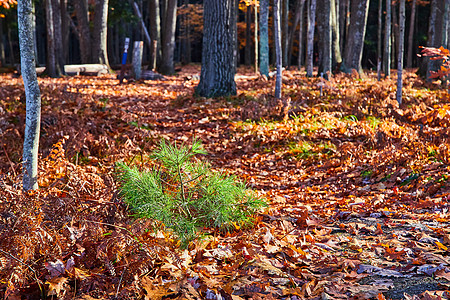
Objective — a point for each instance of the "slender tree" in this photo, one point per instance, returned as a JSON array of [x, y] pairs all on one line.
[[357, 31], [310, 41], [155, 32], [256, 35], [218, 53], [411, 34], [379, 39], [300, 35], [401, 39], [325, 34], [278, 50], [32, 94], [264, 37], [292, 32], [387, 40], [82, 13], [337, 57], [285, 31], [248, 36], [99, 35]]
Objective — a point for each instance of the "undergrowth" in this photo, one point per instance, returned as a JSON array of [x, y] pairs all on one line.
[[185, 195]]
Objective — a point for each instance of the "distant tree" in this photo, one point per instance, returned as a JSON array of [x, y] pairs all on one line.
[[155, 32], [401, 39], [310, 40], [300, 35], [264, 37], [32, 94], [411, 34], [356, 33], [325, 36], [298, 14], [55, 53], [285, 31], [387, 40], [218, 53], [99, 35], [379, 39], [336, 48], [278, 50]]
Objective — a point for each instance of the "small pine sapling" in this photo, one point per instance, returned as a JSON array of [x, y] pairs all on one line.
[[183, 194]]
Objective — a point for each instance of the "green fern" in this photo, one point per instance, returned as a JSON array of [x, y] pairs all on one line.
[[183, 194]]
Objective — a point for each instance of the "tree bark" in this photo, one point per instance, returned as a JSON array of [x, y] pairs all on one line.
[[81, 10], [337, 57], [32, 94], [325, 34], [411, 52], [387, 40], [155, 32], [168, 38], [58, 37], [300, 35], [218, 53], [285, 32], [256, 35], [2, 45], [248, 37], [278, 50], [52, 68], [264, 37], [310, 42], [99, 36], [401, 39], [357, 31], [379, 39], [298, 11]]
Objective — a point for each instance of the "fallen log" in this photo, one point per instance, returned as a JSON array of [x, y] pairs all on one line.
[[87, 69]]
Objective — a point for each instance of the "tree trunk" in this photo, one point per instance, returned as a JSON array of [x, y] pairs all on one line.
[[32, 94], [411, 52], [278, 50], [294, 30], [155, 31], [82, 13], [99, 35], [58, 38], [325, 35], [337, 57], [342, 22], [168, 38], [300, 35], [2, 45], [65, 30], [52, 68], [218, 56], [379, 39], [248, 36], [387, 40], [445, 20], [256, 36], [401, 39], [12, 58], [310, 42], [285, 32], [357, 31], [394, 35], [264, 37]]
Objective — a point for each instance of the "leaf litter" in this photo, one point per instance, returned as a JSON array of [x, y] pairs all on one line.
[[358, 190]]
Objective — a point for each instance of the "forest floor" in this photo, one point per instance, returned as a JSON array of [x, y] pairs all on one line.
[[358, 187]]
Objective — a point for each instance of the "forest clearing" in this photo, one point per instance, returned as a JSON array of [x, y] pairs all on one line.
[[357, 187]]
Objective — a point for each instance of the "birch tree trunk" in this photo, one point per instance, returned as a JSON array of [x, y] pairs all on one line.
[[387, 40], [32, 94], [99, 36], [411, 34], [310, 42], [264, 37], [401, 42], [218, 53], [168, 38], [278, 50], [356, 32]]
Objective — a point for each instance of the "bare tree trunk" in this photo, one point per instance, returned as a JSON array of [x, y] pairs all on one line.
[[411, 34], [51, 63], [310, 42], [293, 31], [81, 10], [285, 32], [12, 58], [337, 57], [58, 38], [343, 22], [379, 39], [401, 39], [99, 35], [445, 20], [248, 36], [65, 30], [2, 45], [264, 37], [256, 36], [394, 35], [278, 50], [300, 35], [325, 34], [155, 31], [168, 38], [218, 59], [387, 40], [357, 31], [32, 94]]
